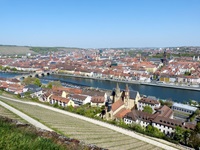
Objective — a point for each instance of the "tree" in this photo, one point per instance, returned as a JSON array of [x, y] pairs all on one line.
[[1, 67], [148, 109], [186, 136], [32, 80], [178, 134], [154, 131], [54, 83], [194, 140], [37, 82], [197, 128], [13, 69]]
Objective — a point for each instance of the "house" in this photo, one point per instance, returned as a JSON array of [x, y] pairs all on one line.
[[79, 99], [64, 102], [98, 101], [138, 117], [35, 91], [148, 102], [162, 120], [14, 88], [183, 108], [167, 125]]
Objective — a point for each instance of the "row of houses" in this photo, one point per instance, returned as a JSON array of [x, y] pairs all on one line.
[[75, 97], [162, 117]]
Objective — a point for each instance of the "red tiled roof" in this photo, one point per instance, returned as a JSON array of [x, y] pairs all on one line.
[[122, 113], [98, 99], [148, 101], [116, 105]]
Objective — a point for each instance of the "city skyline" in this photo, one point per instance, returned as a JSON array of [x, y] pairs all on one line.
[[97, 24]]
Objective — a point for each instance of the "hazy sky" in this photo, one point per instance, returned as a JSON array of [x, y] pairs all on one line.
[[100, 23]]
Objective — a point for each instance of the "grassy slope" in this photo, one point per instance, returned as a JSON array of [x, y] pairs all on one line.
[[12, 138]]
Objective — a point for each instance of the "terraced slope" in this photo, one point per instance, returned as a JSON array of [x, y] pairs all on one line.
[[6, 113], [15, 50], [82, 130]]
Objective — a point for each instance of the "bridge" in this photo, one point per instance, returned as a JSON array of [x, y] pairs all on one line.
[[37, 74]]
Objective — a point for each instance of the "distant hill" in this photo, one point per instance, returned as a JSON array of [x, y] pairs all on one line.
[[15, 50], [23, 50]]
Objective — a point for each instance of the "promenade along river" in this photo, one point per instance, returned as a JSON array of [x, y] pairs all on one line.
[[178, 95]]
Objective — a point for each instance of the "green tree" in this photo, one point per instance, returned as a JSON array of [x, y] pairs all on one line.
[[194, 140], [186, 136], [197, 128], [154, 131], [148, 109], [32, 80], [37, 82], [54, 83], [178, 134], [1, 67]]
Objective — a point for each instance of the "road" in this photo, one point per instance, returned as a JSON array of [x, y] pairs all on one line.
[[100, 123]]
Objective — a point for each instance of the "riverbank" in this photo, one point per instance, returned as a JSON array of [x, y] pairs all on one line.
[[136, 82]]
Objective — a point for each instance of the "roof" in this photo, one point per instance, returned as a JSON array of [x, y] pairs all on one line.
[[93, 93], [66, 89], [148, 101], [59, 98], [137, 114], [184, 106], [79, 97], [173, 123], [122, 113], [133, 94], [116, 105], [165, 111], [98, 99]]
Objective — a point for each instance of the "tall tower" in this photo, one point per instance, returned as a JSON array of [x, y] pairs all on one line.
[[127, 91], [117, 90], [126, 99]]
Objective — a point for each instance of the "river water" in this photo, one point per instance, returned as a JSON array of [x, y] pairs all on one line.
[[178, 95]]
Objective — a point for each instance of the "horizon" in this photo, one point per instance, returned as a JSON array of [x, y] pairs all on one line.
[[100, 24], [95, 48]]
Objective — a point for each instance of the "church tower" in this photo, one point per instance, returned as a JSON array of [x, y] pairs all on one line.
[[117, 93], [126, 99]]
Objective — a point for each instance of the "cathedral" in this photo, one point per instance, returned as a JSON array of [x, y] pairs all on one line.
[[121, 102]]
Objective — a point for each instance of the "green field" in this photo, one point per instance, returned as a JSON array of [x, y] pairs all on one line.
[[82, 130]]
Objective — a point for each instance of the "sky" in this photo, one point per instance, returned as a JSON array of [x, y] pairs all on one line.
[[100, 23]]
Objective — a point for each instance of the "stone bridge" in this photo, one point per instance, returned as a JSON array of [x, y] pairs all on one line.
[[37, 75]]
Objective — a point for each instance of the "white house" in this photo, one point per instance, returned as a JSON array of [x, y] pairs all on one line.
[[148, 102], [183, 108], [79, 99]]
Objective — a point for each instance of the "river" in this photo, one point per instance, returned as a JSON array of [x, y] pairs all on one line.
[[178, 95]]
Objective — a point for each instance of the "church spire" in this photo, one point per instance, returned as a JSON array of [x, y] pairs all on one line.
[[117, 86], [127, 91]]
